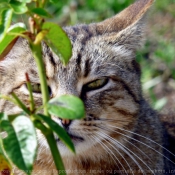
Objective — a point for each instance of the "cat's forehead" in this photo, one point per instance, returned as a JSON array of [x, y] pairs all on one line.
[[81, 33], [96, 51], [94, 55], [85, 51], [86, 41]]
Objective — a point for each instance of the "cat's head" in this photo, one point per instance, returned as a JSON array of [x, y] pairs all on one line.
[[103, 72]]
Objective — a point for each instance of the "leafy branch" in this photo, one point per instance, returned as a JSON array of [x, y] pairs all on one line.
[[21, 128]]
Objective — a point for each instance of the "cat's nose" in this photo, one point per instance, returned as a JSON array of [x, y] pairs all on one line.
[[66, 123]]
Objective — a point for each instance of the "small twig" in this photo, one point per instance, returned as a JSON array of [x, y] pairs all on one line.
[[32, 103], [20, 103]]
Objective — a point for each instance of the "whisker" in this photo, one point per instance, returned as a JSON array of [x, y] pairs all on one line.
[[145, 138], [103, 146], [123, 147], [138, 149], [108, 151], [119, 154], [131, 151], [112, 120], [142, 142]]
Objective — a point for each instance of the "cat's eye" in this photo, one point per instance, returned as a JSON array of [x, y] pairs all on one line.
[[97, 84], [36, 88]]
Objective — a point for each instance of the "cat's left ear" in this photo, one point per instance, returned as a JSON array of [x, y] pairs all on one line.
[[126, 28]]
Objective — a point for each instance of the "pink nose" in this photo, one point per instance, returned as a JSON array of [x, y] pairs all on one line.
[[65, 123]]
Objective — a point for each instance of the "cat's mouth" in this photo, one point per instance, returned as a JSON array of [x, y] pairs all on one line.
[[74, 138]]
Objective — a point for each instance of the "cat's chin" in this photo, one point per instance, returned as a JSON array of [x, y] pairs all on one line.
[[81, 146]]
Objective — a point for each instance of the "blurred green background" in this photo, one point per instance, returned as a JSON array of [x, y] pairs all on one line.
[[157, 57]]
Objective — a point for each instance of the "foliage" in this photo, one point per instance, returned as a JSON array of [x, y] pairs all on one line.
[[158, 55], [71, 12], [94, 12], [18, 143]]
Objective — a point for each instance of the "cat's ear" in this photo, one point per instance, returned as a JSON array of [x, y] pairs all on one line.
[[126, 28]]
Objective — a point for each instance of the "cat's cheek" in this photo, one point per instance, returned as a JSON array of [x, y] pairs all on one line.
[[10, 109], [41, 141], [80, 148]]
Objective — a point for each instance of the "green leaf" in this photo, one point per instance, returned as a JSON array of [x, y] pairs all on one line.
[[64, 137], [40, 36], [58, 40], [151, 83], [4, 162], [13, 116], [160, 103], [3, 1], [5, 21], [67, 107], [25, 1], [18, 7], [12, 148], [41, 12], [3, 5], [17, 28], [3, 116], [54, 1], [20, 143]]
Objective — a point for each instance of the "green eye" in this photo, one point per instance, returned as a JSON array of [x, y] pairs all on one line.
[[36, 88], [97, 84]]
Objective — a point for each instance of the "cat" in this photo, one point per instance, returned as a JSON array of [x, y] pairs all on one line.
[[121, 133]]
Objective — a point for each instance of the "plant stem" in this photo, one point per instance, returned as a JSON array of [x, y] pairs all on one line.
[[43, 3], [55, 153], [37, 53], [20, 103], [32, 103], [52, 144]]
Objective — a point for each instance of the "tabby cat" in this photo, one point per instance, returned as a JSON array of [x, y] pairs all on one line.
[[120, 133]]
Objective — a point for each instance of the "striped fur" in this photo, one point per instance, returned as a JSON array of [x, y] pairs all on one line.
[[120, 131]]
